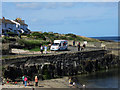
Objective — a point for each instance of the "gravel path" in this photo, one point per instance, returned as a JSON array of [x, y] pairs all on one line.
[[70, 49]]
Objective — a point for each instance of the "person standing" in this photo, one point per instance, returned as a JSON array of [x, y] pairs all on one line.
[[45, 49], [36, 81], [79, 46], [74, 43], [41, 49], [25, 80]]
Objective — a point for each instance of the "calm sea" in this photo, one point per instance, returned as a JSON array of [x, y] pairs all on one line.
[[102, 79], [111, 38]]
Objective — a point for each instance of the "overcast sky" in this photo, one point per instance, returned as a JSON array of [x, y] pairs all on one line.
[[81, 18]]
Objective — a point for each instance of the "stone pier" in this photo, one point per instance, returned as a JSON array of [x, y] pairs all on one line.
[[55, 65]]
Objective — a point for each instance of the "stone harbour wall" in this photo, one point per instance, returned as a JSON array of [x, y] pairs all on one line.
[[65, 64]]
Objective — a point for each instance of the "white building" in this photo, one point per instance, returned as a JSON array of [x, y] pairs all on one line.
[[22, 26], [15, 26]]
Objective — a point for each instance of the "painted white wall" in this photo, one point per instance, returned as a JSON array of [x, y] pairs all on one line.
[[6, 26], [14, 27], [25, 27], [3, 26], [21, 26]]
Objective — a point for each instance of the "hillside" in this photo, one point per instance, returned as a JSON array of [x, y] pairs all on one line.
[[34, 40], [50, 36]]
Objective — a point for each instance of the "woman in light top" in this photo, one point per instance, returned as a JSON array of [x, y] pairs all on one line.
[[45, 47]]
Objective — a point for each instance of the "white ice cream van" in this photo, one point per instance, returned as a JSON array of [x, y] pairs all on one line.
[[59, 45]]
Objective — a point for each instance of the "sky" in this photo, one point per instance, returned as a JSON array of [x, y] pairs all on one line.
[[90, 19]]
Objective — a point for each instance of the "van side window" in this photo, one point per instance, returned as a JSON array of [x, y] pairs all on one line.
[[60, 44]]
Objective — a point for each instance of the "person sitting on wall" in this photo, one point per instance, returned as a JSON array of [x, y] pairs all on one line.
[[83, 47]]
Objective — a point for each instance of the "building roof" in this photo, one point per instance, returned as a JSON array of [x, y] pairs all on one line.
[[6, 21], [10, 22], [21, 22]]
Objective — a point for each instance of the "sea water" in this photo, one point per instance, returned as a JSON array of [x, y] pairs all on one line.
[[111, 38], [102, 79]]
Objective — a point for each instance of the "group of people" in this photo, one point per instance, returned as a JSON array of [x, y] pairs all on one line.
[[26, 82], [43, 48], [80, 48], [71, 83]]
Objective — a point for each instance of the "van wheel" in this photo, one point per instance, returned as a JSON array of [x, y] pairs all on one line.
[[66, 49]]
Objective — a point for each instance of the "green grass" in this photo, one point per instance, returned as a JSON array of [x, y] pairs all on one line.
[[35, 49], [32, 43]]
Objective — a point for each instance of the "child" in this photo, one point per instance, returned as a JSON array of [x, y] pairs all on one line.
[[70, 82], [36, 81], [25, 80], [16, 83], [73, 83]]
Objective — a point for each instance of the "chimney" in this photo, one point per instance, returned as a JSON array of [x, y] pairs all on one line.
[[3, 18]]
